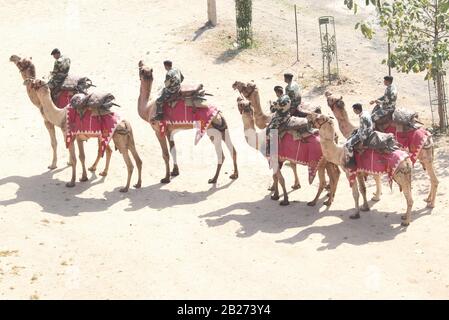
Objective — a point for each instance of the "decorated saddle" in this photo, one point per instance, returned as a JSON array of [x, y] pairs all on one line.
[[305, 151], [71, 85], [371, 161], [91, 125], [408, 120], [183, 113], [412, 140]]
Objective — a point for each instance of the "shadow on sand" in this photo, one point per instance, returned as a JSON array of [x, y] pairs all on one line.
[[54, 197]]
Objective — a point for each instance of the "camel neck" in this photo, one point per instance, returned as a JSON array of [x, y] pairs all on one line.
[[144, 97], [331, 151], [53, 114], [344, 124]]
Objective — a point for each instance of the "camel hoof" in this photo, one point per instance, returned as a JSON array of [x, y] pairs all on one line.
[[174, 173], [355, 216], [405, 224], [165, 180], [211, 181], [123, 190], [284, 203], [52, 167], [311, 203], [92, 169], [426, 200], [327, 203], [375, 199], [83, 179], [138, 185], [296, 186], [234, 176], [103, 174], [275, 197], [403, 217], [364, 208], [430, 205], [70, 184]]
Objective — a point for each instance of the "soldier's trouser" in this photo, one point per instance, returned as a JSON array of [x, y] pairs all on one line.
[[350, 144], [54, 84], [380, 112], [160, 101]]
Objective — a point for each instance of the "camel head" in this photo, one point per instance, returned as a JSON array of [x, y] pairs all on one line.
[[26, 66], [246, 90], [145, 73], [334, 102], [245, 107], [323, 123]]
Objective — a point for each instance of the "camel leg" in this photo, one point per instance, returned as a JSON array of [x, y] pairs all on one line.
[[73, 164], [132, 148], [108, 150], [403, 178], [216, 140], [426, 159], [82, 157], [54, 144], [129, 165], [362, 188], [355, 195], [322, 184], [227, 139], [175, 171], [275, 195], [93, 168], [165, 156], [297, 184], [281, 180], [334, 175], [376, 195]]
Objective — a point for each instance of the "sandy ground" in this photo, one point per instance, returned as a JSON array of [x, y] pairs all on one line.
[[189, 239]]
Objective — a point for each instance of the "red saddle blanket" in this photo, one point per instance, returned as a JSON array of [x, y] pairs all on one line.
[[98, 126], [412, 140], [183, 114], [63, 99], [373, 162], [305, 151]]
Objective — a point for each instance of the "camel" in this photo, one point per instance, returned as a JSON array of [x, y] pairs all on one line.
[[146, 108], [123, 137], [425, 156], [336, 155], [251, 93], [256, 139], [28, 72]]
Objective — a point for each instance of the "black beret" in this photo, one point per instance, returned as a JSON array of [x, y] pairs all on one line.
[[55, 51], [388, 78]]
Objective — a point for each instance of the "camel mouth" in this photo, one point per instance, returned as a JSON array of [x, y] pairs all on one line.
[[14, 58]]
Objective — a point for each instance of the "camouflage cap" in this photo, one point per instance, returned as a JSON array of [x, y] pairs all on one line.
[[284, 100]]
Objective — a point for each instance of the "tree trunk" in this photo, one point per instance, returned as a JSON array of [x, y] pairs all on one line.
[[441, 101], [212, 12], [244, 19]]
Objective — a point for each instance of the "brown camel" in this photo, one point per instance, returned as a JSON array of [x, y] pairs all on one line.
[[123, 137], [425, 156], [28, 72], [256, 140], [251, 93], [146, 108], [335, 154]]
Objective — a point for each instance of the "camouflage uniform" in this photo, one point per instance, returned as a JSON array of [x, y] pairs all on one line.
[[388, 103], [281, 110], [172, 82], [59, 73], [294, 92], [361, 134]]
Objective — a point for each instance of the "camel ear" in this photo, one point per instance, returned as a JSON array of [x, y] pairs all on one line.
[[31, 58], [140, 63]]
